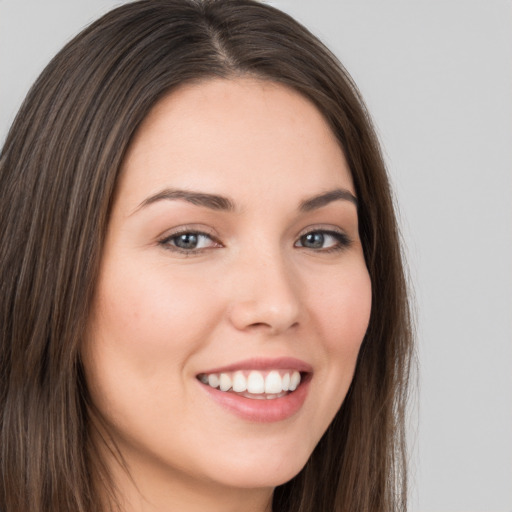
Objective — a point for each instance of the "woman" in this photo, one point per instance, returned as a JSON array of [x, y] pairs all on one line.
[[203, 300]]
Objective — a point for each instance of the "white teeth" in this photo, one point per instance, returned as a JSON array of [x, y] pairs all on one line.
[[239, 382], [273, 383], [286, 382], [225, 382], [278, 395], [213, 380], [255, 383], [294, 381]]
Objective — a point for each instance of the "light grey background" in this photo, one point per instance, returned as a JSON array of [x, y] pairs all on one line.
[[437, 76]]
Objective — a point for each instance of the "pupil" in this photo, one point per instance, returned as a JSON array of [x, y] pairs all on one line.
[[314, 240], [187, 241]]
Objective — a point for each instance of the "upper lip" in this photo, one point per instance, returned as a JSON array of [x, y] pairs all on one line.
[[280, 363]]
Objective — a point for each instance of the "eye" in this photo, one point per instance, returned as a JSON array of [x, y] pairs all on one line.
[[323, 240], [189, 242]]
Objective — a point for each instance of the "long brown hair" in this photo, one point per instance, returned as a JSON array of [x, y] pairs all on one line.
[[58, 171]]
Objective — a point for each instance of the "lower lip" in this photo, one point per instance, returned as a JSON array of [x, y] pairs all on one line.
[[261, 411]]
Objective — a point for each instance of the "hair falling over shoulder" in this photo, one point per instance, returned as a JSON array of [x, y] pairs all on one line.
[[58, 170]]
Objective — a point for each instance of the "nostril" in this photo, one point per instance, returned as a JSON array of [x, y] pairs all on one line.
[[271, 306]]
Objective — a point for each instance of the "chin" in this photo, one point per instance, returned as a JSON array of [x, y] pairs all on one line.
[[271, 472]]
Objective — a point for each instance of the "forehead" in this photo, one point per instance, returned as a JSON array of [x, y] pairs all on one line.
[[244, 134]]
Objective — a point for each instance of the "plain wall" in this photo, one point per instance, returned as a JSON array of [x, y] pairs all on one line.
[[437, 77]]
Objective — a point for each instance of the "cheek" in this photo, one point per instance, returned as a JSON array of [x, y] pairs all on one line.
[[141, 335], [151, 314], [343, 310], [342, 313]]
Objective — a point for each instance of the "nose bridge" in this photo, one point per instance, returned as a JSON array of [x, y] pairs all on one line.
[[266, 293]]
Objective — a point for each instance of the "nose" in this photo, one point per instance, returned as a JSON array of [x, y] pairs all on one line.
[[265, 296]]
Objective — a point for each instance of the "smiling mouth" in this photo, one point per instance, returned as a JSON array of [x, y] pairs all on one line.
[[255, 384]]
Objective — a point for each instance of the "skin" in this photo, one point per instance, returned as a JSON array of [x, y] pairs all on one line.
[[252, 289]]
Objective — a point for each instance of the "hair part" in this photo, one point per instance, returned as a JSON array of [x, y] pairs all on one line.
[[58, 172]]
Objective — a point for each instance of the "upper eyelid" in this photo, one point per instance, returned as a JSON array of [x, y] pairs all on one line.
[[200, 229], [170, 233], [330, 232], [188, 232], [322, 228]]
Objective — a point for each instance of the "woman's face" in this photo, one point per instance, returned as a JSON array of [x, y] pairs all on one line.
[[232, 258]]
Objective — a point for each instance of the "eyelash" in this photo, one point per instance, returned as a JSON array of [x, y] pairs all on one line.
[[343, 241], [167, 244]]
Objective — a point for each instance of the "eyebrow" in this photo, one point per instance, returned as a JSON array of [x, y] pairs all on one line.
[[325, 198], [221, 203], [211, 201]]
